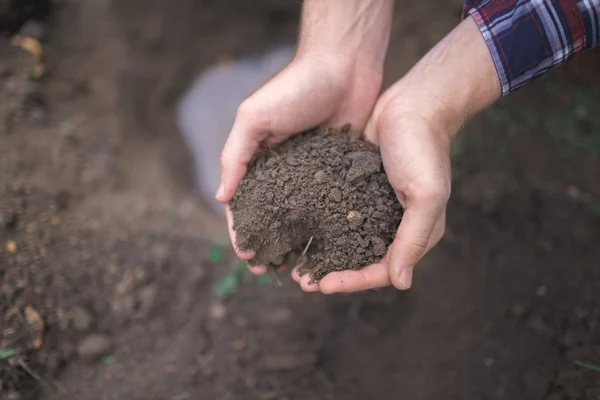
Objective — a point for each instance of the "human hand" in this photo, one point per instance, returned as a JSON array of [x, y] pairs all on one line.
[[328, 91], [334, 80], [414, 123], [416, 157]]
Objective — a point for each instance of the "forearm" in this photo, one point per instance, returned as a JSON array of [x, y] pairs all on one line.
[[452, 82], [357, 30]]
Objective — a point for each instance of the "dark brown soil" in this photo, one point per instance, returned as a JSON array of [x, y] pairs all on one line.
[[103, 236], [323, 189]]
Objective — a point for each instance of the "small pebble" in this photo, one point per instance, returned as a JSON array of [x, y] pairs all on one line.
[[11, 246], [82, 320], [13, 396], [217, 311], [287, 362], [518, 310], [278, 315], [292, 161], [147, 298], [536, 323], [320, 176], [94, 346], [379, 247], [541, 290], [355, 218], [335, 195]]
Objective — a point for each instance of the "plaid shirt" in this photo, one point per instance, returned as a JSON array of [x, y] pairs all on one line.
[[527, 38]]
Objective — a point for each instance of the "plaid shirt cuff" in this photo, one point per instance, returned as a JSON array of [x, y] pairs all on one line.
[[527, 38]]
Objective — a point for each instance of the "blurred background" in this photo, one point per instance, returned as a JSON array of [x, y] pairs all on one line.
[[117, 280]]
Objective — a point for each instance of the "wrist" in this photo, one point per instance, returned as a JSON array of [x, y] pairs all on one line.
[[355, 32], [453, 82]]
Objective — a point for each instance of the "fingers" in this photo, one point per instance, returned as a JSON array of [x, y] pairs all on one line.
[[244, 255], [371, 277], [240, 147], [423, 217], [304, 281]]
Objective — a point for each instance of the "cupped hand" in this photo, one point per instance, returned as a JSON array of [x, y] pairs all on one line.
[[416, 157], [314, 89]]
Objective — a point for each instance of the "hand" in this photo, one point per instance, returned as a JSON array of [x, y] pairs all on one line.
[[334, 80], [328, 90], [414, 123], [416, 158]]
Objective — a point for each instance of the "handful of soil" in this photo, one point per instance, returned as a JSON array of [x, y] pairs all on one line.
[[322, 187]]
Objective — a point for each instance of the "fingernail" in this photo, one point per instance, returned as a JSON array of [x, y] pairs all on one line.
[[406, 277], [220, 191]]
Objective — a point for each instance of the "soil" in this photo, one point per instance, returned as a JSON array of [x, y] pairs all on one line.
[[324, 190], [104, 239]]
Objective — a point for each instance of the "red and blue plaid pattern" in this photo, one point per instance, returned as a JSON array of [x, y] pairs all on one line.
[[527, 38]]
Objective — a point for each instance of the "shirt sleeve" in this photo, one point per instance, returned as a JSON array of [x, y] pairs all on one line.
[[527, 38]]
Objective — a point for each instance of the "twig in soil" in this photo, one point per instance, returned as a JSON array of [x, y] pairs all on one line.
[[29, 370], [588, 366], [307, 246]]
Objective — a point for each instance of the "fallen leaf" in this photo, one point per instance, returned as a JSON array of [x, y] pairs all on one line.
[[242, 270], [7, 353], [109, 359], [216, 254], [33, 46], [264, 279], [227, 286], [36, 323], [11, 246]]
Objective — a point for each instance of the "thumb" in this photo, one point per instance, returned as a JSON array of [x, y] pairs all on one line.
[[241, 145], [412, 240]]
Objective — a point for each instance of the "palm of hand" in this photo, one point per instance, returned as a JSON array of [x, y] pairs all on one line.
[[312, 92], [414, 157], [417, 163], [307, 93]]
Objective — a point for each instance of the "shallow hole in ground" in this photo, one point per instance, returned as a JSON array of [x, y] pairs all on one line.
[[206, 111]]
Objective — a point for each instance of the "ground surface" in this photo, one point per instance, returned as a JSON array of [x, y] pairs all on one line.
[[102, 238], [324, 191]]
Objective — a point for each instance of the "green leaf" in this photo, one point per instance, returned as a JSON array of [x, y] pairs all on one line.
[[7, 353], [109, 359], [227, 286], [264, 279], [216, 254], [588, 366], [242, 270]]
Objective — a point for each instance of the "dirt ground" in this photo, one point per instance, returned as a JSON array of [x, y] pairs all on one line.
[[320, 198], [108, 261]]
